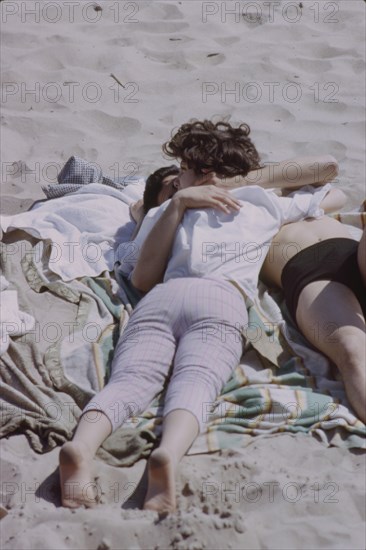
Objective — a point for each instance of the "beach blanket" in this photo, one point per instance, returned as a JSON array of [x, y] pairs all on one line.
[[51, 371], [49, 374]]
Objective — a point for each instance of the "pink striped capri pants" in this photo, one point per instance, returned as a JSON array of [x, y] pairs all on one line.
[[188, 329]]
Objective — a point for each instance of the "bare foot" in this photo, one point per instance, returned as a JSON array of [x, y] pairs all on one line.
[[160, 495], [77, 486]]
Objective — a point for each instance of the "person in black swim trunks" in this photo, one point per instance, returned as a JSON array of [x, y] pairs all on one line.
[[322, 271], [327, 299], [326, 303]]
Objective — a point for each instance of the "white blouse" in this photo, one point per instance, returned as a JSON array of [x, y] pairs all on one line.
[[210, 243]]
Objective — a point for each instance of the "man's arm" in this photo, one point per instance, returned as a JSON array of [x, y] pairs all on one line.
[[137, 214], [156, 249], [292, 173], [312, 203]]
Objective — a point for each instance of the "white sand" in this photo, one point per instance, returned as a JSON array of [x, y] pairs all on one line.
[[164, 59]]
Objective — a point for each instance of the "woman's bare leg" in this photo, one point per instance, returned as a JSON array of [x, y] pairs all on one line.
[[76, 459], [361, 256], [180, 429], [330, 317]]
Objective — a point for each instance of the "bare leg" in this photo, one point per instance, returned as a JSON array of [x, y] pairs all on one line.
[[330, 317], [180, 429], [76, 459], [361, 256]]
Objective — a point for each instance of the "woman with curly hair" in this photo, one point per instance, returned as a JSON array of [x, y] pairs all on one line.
[[205, 147], [222, 155]]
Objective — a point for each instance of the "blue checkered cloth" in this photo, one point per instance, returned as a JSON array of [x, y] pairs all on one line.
[[78, 172]]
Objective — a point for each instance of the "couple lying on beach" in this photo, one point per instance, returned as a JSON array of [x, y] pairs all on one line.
[[205, 236]]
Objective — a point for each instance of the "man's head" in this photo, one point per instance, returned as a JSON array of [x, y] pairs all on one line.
[[205, 146], [160, 186]]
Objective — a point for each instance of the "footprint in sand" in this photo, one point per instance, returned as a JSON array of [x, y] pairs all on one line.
[[305, 147], [313, 66], [176, 60], [120, 42], [358, 66], [199, 59], [323, 50], [46, 60], [227, 40], [11, 40], [58, 39], [11, 473], [112, 125], [171, 12], [162, 26]]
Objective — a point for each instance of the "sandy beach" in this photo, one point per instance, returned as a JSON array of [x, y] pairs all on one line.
[[108, 82]]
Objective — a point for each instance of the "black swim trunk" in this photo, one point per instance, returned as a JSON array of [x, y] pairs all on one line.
[[329, 260]]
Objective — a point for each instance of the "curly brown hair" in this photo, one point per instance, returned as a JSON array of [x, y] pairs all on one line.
[[218, 147]]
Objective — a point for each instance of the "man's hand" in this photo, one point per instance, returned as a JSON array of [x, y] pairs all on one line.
[[137, 211], [206, 196], [333, 201]]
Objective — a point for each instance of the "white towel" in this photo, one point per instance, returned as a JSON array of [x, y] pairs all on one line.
[[80, 231]]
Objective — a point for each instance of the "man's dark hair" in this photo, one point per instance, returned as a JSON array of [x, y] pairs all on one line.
[[218, 147], [154, 185]]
